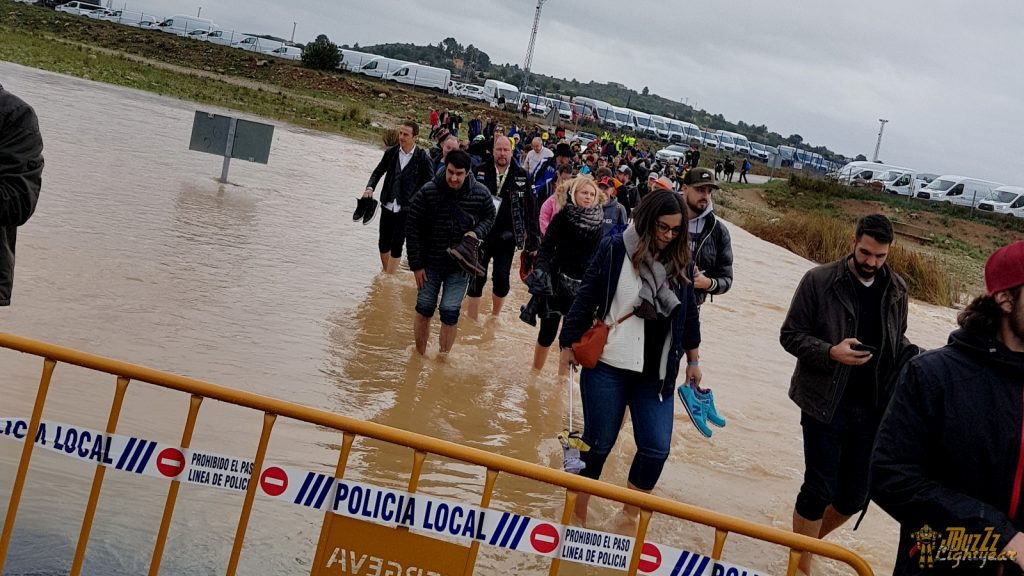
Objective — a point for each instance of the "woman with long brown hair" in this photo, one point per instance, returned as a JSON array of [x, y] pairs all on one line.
[[639, 283]]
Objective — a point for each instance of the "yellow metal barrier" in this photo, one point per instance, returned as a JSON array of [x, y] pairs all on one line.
[[351, 428]]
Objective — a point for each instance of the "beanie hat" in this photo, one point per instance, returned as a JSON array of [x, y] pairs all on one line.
[[1005, 268]]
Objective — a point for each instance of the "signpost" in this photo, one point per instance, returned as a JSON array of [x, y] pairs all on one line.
[[231, 138]]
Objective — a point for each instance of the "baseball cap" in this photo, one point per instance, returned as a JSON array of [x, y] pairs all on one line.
[[653, 176], [662, 184], [1005, 268], [625, 170], [700, 177]]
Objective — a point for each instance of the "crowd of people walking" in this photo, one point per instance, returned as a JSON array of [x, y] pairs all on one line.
[[618, 259]]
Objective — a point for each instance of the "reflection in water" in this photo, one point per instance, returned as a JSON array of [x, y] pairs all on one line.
[[136, 252]]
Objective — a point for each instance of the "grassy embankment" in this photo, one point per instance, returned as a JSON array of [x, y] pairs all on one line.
[[942, 259]]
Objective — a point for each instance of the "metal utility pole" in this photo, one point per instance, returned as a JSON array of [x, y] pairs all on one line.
[[529, 49], [199, 12], [293, 32], [878, 145]]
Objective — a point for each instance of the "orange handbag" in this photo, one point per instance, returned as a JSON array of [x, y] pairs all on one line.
[[591, 345]]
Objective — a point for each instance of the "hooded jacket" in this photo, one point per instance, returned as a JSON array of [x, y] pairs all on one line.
[[822, 314], [950, 451], [417, 172], [615, 218], [713, 255], [439, 217], [21, 173]]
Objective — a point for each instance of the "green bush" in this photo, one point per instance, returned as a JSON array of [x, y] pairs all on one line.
[[321, 54]]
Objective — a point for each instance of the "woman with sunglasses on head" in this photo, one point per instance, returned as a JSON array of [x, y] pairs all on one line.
[[561, 261], [639, 283]]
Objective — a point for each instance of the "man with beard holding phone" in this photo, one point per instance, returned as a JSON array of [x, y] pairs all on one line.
[[846, 326]]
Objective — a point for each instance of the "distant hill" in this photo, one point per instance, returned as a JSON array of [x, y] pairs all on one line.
[[473, 65]]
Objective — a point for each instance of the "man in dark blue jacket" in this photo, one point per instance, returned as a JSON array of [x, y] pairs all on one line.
[[949, 459], [407, 168], [21, 173]]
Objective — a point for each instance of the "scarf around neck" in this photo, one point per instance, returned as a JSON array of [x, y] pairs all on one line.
[[656, 296], [586, 219]]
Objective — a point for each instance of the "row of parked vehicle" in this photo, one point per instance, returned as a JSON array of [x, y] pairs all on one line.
[[192, 27], [960, 190]]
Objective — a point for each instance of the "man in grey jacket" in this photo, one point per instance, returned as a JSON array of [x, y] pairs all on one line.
[[21, 172], [846, 326]]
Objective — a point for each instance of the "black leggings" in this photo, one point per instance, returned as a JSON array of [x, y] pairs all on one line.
[[548, 330]]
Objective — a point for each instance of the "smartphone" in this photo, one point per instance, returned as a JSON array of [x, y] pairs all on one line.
[[864, 348]]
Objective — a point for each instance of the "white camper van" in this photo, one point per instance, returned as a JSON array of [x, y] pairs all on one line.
[[381, 67], [1005, 200], [500, 93], [958, 190], [422, 76], [182, 24]]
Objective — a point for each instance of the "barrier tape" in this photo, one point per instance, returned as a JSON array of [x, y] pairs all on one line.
[[431, 516]]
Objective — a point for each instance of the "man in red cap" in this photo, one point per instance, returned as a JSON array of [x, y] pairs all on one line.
[[950, 451]]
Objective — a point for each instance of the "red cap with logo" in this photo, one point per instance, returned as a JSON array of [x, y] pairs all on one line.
[[1005, 268]]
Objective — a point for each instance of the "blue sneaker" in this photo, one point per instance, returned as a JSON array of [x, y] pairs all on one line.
[[707, 398], [695, 408]]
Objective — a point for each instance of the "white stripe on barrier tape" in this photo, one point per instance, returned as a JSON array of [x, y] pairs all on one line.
[[425, 514]]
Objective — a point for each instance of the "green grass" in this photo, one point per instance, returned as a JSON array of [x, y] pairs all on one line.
[[38, 51]]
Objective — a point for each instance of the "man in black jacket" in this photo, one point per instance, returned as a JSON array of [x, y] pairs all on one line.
[[846, 326], [950, 450], [515, 226], [408, 168], [451, 206], [21, 173], [710, 243]]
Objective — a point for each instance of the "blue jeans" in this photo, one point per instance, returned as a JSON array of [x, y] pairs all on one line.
[[606, 391], [455, 285]]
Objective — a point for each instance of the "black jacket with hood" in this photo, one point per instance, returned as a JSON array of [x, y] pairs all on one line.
[[439, 217], [713, 256], [518, 204], [21, 177], [950, 451]]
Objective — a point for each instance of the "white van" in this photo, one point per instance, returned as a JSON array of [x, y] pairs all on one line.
[[78, 8], [381, 67], [1005, 200], [726, 141], [286, 52], [182, 24], [538, 104], [862, 172], [496, 90], [252, 44], [353, 60], [739, 142], [902, 182], [958, 190], [422, 76]]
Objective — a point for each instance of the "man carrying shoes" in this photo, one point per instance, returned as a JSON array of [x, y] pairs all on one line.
[[846, 326], [446, 220]]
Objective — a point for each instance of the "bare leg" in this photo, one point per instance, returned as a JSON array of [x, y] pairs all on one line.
[[579, 512], [421, 329], [831, 521], [384, 257], [632, 511], [392, 266], [496, 305], [448, 334], [473, 308], [810, 528], [540, 356]]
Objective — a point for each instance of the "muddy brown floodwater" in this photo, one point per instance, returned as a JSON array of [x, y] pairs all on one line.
[[136, 252]]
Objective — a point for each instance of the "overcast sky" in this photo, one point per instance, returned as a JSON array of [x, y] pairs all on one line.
[[947, 74]]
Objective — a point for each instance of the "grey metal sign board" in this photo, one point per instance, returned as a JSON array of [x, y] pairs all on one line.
[[252, 141], [210, 133]]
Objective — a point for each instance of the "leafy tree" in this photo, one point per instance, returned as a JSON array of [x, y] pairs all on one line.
[[645, 91], [861, 158], [321, 54]]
